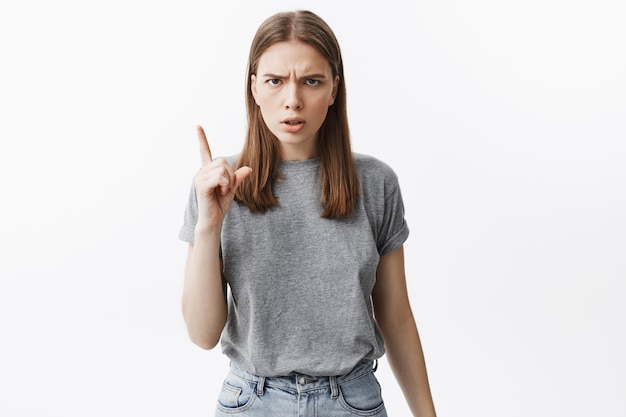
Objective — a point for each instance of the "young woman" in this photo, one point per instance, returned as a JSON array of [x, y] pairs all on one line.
[[308, 236]]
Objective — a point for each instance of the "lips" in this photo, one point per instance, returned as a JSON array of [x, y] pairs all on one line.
[[292, 124]]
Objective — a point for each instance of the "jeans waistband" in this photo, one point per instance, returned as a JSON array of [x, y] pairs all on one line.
[[301, 382]]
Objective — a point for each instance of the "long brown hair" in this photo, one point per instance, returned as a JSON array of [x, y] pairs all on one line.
[[339, 183]]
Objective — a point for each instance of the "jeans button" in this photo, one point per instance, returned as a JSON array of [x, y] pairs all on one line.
[[302, 380]]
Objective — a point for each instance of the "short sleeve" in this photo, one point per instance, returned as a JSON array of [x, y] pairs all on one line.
[[393, 229], [383, 203]]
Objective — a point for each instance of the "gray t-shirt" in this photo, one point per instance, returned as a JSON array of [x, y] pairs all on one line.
[[300, 285]]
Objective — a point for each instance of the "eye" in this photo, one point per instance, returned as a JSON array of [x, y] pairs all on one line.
[[273, 81], [312, 82]]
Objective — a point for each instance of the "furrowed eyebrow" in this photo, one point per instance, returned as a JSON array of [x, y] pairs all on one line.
[[305, 77], [317, 76], [272, 76]]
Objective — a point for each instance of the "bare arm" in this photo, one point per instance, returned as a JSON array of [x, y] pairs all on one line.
[[204, 294], [402, 341], [204, 291]]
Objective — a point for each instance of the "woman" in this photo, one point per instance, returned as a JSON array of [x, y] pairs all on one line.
[[308, 237]]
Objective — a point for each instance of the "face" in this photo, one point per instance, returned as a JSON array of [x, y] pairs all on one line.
[[294, 87]]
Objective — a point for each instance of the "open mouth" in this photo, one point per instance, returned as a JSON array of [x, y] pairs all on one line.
[[293, 125]]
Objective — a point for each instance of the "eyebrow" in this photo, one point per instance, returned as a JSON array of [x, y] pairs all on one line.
[[307, 76]]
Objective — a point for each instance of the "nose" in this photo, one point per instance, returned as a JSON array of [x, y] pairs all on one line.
[[293, 99]]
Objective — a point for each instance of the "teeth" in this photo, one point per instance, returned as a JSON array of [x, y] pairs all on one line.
[[293, 122]]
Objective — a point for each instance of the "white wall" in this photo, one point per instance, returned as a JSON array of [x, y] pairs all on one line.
[[504, 120]]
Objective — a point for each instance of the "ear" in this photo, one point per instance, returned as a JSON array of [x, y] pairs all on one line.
[[334, 92], [253, 87]]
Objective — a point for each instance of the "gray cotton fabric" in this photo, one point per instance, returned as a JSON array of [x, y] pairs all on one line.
[[300, 285]]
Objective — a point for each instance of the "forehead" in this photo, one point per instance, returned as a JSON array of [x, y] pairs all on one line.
[[292, 56]]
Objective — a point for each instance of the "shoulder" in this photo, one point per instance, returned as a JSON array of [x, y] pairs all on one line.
[[371, 169]]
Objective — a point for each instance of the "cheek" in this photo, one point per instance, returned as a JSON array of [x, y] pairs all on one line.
[[262, 104], [267, 111], [265, 101], [321, 106], [267, 108]]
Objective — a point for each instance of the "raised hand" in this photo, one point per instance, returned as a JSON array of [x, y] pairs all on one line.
[[216, 183]]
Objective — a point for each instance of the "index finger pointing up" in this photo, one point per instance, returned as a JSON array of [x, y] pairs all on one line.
[[205, 151]]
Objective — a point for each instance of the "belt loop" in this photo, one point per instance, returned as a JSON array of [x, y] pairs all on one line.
[[375, 364], [334, 389], [260, 386]]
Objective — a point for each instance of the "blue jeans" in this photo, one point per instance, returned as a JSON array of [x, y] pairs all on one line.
[[356, 393]]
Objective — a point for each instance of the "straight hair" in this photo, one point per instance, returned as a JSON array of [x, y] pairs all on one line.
[[339, 183]]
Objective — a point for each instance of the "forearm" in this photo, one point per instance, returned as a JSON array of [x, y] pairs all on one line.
[[406, 358], [204, 301]]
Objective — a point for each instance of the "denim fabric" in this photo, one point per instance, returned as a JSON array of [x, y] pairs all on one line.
[[356, 393]]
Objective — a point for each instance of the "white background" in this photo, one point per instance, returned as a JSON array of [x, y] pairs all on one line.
[[505, 121]]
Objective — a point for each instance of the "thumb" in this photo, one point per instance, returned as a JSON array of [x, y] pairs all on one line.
[[240, 175]]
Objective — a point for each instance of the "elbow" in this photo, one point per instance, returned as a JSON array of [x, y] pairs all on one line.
[[202, 335], [204, 330], [205, 342]]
